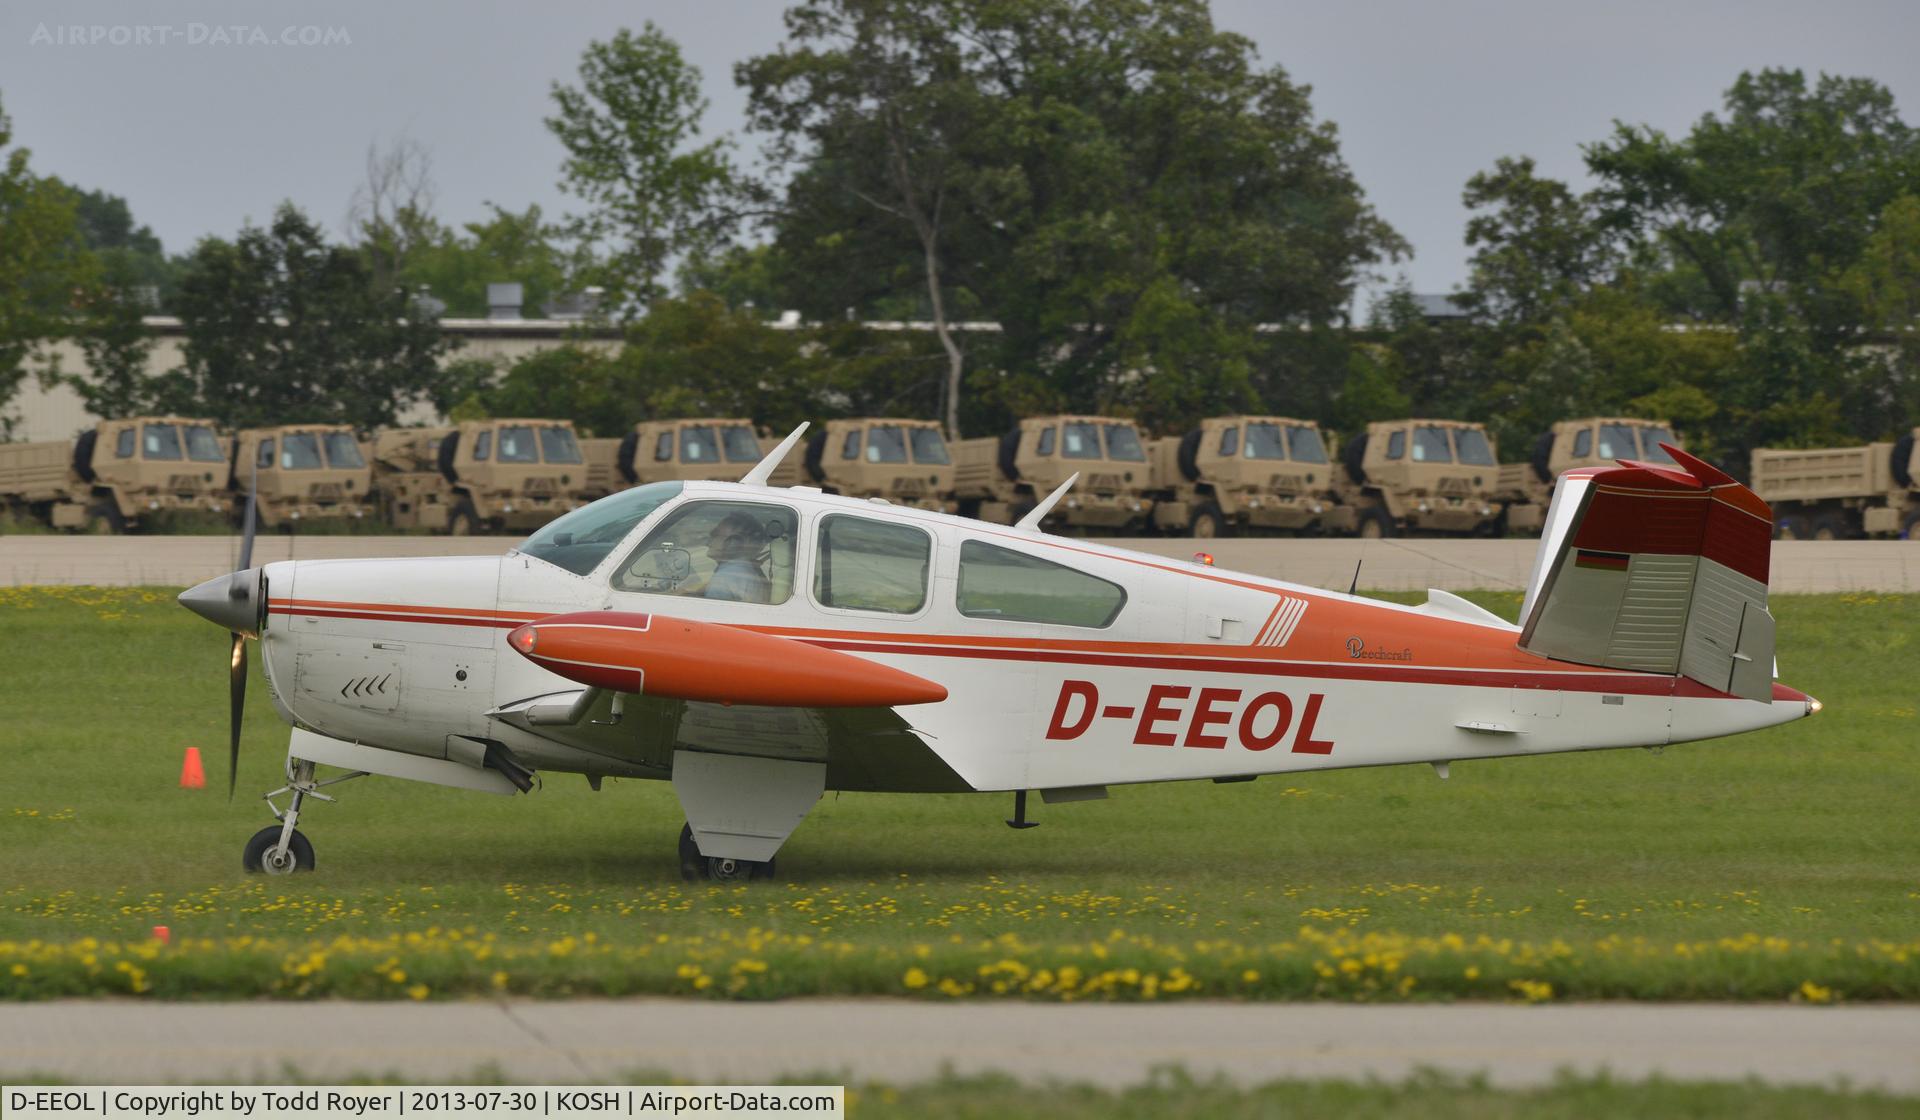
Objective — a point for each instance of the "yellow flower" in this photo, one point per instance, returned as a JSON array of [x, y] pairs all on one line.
[[1814, 993], [915, 978], [418, 991]]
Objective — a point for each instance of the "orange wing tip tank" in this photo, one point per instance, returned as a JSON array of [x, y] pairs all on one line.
[[686, 660]]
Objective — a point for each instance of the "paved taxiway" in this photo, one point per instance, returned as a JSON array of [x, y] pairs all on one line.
[[908, 1041], [1387, 565]]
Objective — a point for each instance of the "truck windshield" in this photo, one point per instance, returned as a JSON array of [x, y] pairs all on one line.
[[1430, 446], [697, 445], [742, 445], [557, 445], [343, 454], [1475, 451], [299, 451], [886, 443], [928, 446], [1080, 441], [517, 446], [159, 441], [1650, 441], [1124, 443], [1263, 442], [1616, 442], [202, 446], [1304, 446], [581, 539]]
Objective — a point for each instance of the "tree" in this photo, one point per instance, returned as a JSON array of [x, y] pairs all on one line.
[[651, 193], [284, 328], [43, 264], [1885, 283], [391, 212], [1537, 245], [129, 278], [456, 267]]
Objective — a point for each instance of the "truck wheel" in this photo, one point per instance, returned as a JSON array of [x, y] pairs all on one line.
[[103, 517], [1830, 527], [1208, 522], [1792, 527], [462, 522], [1376, 523]]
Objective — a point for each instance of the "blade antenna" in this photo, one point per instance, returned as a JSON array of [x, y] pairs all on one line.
[[1354, 587], [759, 475], [1039, 513]]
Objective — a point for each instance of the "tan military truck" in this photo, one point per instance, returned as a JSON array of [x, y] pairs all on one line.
[[481, 476], [116, 473], [604, 475], [1422, 476], [1594, 441], [904, 461], [305, 473], [1002, 478], [1833, 493], [1235, 474]]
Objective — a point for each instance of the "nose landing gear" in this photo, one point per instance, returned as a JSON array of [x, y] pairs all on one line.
[[281, 849]]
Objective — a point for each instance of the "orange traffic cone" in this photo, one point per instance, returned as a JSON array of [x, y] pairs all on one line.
[[163, 935], [191, 775]]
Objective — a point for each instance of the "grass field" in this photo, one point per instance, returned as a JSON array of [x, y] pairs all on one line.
[[1780, 865]]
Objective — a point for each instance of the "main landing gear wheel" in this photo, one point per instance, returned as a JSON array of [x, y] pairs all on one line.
[[694, 866], [263, 852]]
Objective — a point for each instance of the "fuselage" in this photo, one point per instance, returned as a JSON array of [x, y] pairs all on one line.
[[1066, 663]]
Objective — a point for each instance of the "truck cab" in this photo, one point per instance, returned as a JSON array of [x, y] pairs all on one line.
[[117, 472], [301, 473], [1594, 441], [1422, 476], [479, 476], [690, 450], [1003, 479], [904, 461], [1238, 473]]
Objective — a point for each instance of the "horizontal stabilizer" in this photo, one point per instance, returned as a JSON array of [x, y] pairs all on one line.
[[1656, 568]]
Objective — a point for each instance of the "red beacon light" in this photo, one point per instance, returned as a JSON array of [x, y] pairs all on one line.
[[1204, 559]]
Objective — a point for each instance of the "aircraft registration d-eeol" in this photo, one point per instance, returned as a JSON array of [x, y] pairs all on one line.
[[759, 646]]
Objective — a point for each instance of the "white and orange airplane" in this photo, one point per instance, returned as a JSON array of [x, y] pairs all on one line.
[[758, 646]]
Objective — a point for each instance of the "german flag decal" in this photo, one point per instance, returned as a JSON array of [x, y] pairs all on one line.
[[1608, 561]]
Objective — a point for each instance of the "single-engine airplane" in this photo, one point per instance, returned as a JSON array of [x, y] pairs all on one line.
[[757, 646]]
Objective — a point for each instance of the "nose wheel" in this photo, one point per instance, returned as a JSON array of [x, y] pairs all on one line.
[[282, 849], [694, 866]]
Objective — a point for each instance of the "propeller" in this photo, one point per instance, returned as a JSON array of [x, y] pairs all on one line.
[[233, 603]]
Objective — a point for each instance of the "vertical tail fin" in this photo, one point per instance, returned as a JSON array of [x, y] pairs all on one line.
[[1659, 569]]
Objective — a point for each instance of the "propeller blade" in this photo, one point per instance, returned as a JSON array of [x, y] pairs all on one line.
[[237, 690], [246, 533]]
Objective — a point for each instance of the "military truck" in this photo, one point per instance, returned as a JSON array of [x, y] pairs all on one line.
[[1236, 474], [116, 473], [1001, 478], [1837, 492], [481, 476], [1422, 476], [1595, 441], [604, 475], [304, 472], [903, 461]]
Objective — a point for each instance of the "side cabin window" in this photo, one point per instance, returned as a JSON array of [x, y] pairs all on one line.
[[264, 457], [1397, 444], [123, 444], [868, 565], [663, 448], [483, 446], [1229, 442], [1583, 443], [850, 447], [999, 583], [738, 551], [1044, 447]]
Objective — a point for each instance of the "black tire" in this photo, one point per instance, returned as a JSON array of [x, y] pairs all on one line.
[[253, 858], [1353, 455], [1208, 523], [83, 454], [1791, 527], [1543, 458], [1831, 527], [104, 518], [463, 522], [1009, 457], [1376, 524], [623, 458], [692, 866], [737, 870], [449, 447], [1902, 455], [1189, 455], [816, 448]]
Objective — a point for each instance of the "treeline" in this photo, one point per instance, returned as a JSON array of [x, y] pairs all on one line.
[[1156, 224]]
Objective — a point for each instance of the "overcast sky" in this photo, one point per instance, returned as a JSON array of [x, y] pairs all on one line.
[[200, 135]]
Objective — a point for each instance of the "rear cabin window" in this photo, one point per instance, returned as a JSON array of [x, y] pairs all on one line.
[[517, 446], [1430, 446], [1263, 442], [1229, 442], [929, 447], [1123, 443], [482, 446], [1583, 443], [1044, 446], [999, 583], [741, 552], [1474, 449], [1305, 446], [123, 444], [850, 447], [886, 444], [868, 565], [1397, 445], [741, 444], [159, 441], [1079, 441]]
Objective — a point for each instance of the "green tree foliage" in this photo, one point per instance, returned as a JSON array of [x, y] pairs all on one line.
[[650, 191], [1885, 282], [1536, 244], [1116, 183], [130, 277], [285, 328], [44, 264], [456, 266]]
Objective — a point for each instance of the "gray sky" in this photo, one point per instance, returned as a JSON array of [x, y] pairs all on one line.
[[200, 135]]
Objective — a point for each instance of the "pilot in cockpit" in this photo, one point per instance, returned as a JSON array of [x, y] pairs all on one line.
[[738, 547]]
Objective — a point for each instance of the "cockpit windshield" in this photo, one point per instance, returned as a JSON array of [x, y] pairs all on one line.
[[583, 538]]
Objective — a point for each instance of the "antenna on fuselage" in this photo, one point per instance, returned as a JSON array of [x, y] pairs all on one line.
[[1039, 513], [1355, 585], [759, 475]]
